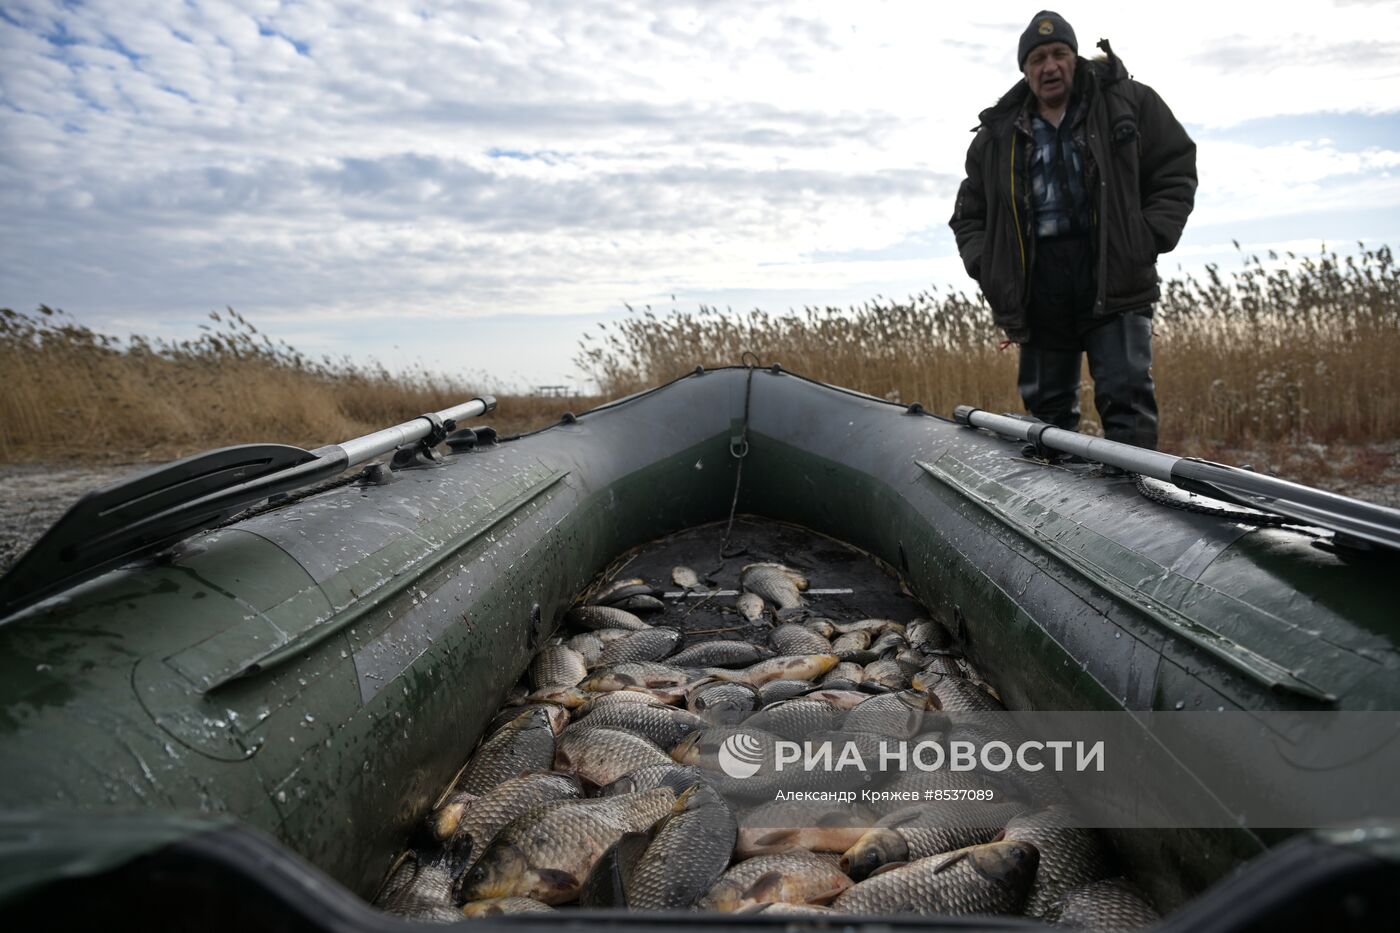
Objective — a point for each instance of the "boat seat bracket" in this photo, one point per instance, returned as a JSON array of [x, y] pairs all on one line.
[[424, 452]]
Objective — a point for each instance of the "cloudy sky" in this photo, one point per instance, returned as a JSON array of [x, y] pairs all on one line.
[[472, 185]]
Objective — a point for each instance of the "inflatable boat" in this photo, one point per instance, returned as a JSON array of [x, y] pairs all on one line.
[[233, 686]]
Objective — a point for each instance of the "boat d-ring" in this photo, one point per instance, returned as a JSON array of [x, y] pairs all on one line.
[[739, 447]]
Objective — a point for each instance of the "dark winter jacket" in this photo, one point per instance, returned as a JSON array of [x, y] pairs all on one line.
[[1140, 170]]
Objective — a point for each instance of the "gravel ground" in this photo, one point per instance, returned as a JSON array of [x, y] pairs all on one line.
[[33, 496]]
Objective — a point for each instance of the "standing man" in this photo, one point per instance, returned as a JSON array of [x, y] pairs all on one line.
[[1077, 179]]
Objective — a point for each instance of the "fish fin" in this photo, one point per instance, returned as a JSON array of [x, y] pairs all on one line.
[[459, 853], [888, 866], [901, 818], [681, 781], [951, 862], [630, 849], [834, 820], [776, 838], [829, 895], [627, 680], [765, 887], [555, 885], [562, 761]]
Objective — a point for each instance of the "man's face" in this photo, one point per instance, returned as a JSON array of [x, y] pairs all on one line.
[[1050, 73]]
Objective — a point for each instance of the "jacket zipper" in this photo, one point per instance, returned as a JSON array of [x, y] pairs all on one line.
[[1015, 214]]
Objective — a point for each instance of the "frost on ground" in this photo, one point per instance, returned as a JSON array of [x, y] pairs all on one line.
[[33, 496]]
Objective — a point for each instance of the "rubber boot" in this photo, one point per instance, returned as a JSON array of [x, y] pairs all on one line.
[[1120, 362]]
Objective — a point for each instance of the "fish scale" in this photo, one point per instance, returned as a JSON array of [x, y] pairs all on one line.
[[601, 755], [524, 744], [1070, 856], [1104, 905], [652, 645], [726, 653], [688, 851], [546, 853], [791, 638], [656, 722], [986, 879], [797, 877], [485, 816]]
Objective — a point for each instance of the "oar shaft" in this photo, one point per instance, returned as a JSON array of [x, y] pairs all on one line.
[[360, 449], [1125, 456]]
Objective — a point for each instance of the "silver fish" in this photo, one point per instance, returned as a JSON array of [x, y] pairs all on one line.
[[684, 577], [888, 674], [798, 639], [485, 816], [928, 635], [794, 719], [557, 666], [956, 695], [524, 744], [419, 887], [587, 644], [548, 852], [682, 857], [649, 645], [1070, 856], [639, 602], [600, 755], [919, 832], [775, 691], [847, 672], [618, 589], [986, 879], [651, 776], [601, 617], [750, 606], [901, 715], [656, 722], [796, 877], [712, 696], [721, 654], [1104, 905], [874, 626], [853, 646], [635, 674], [783, 826], [791, 667], [772, 583]]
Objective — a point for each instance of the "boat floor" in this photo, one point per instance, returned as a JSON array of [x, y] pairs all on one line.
[[846, 583]]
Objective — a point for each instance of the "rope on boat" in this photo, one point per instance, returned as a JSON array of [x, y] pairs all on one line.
[[1235, 515], [739, 450]]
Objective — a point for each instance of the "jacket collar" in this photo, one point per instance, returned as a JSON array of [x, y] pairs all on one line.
[[1090, 76]]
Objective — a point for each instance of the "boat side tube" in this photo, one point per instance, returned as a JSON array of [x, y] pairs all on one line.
[[1353, 521]]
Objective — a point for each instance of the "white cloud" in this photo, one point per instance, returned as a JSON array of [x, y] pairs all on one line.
[[323, 159]]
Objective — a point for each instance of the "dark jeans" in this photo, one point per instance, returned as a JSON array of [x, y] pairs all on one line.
[[1062, 328]]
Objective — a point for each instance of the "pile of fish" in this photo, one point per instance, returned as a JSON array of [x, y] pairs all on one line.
[[600, 783]]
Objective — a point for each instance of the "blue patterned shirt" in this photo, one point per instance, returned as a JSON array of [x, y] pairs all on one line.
[[1058, 195]]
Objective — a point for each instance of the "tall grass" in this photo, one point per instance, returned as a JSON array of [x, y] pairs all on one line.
[[1284, 350], [1296, 350], [72, 391]]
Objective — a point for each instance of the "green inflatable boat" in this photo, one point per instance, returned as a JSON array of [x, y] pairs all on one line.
[[233, 686]]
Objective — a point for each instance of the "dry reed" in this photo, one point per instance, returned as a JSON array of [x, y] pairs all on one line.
[[1300, 352], [1303, 351], [71, 391]]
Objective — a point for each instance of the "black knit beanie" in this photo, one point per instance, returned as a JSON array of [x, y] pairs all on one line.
[[1047, 26]]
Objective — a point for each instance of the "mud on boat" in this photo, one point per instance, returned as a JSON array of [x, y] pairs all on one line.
[[241, 721]]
